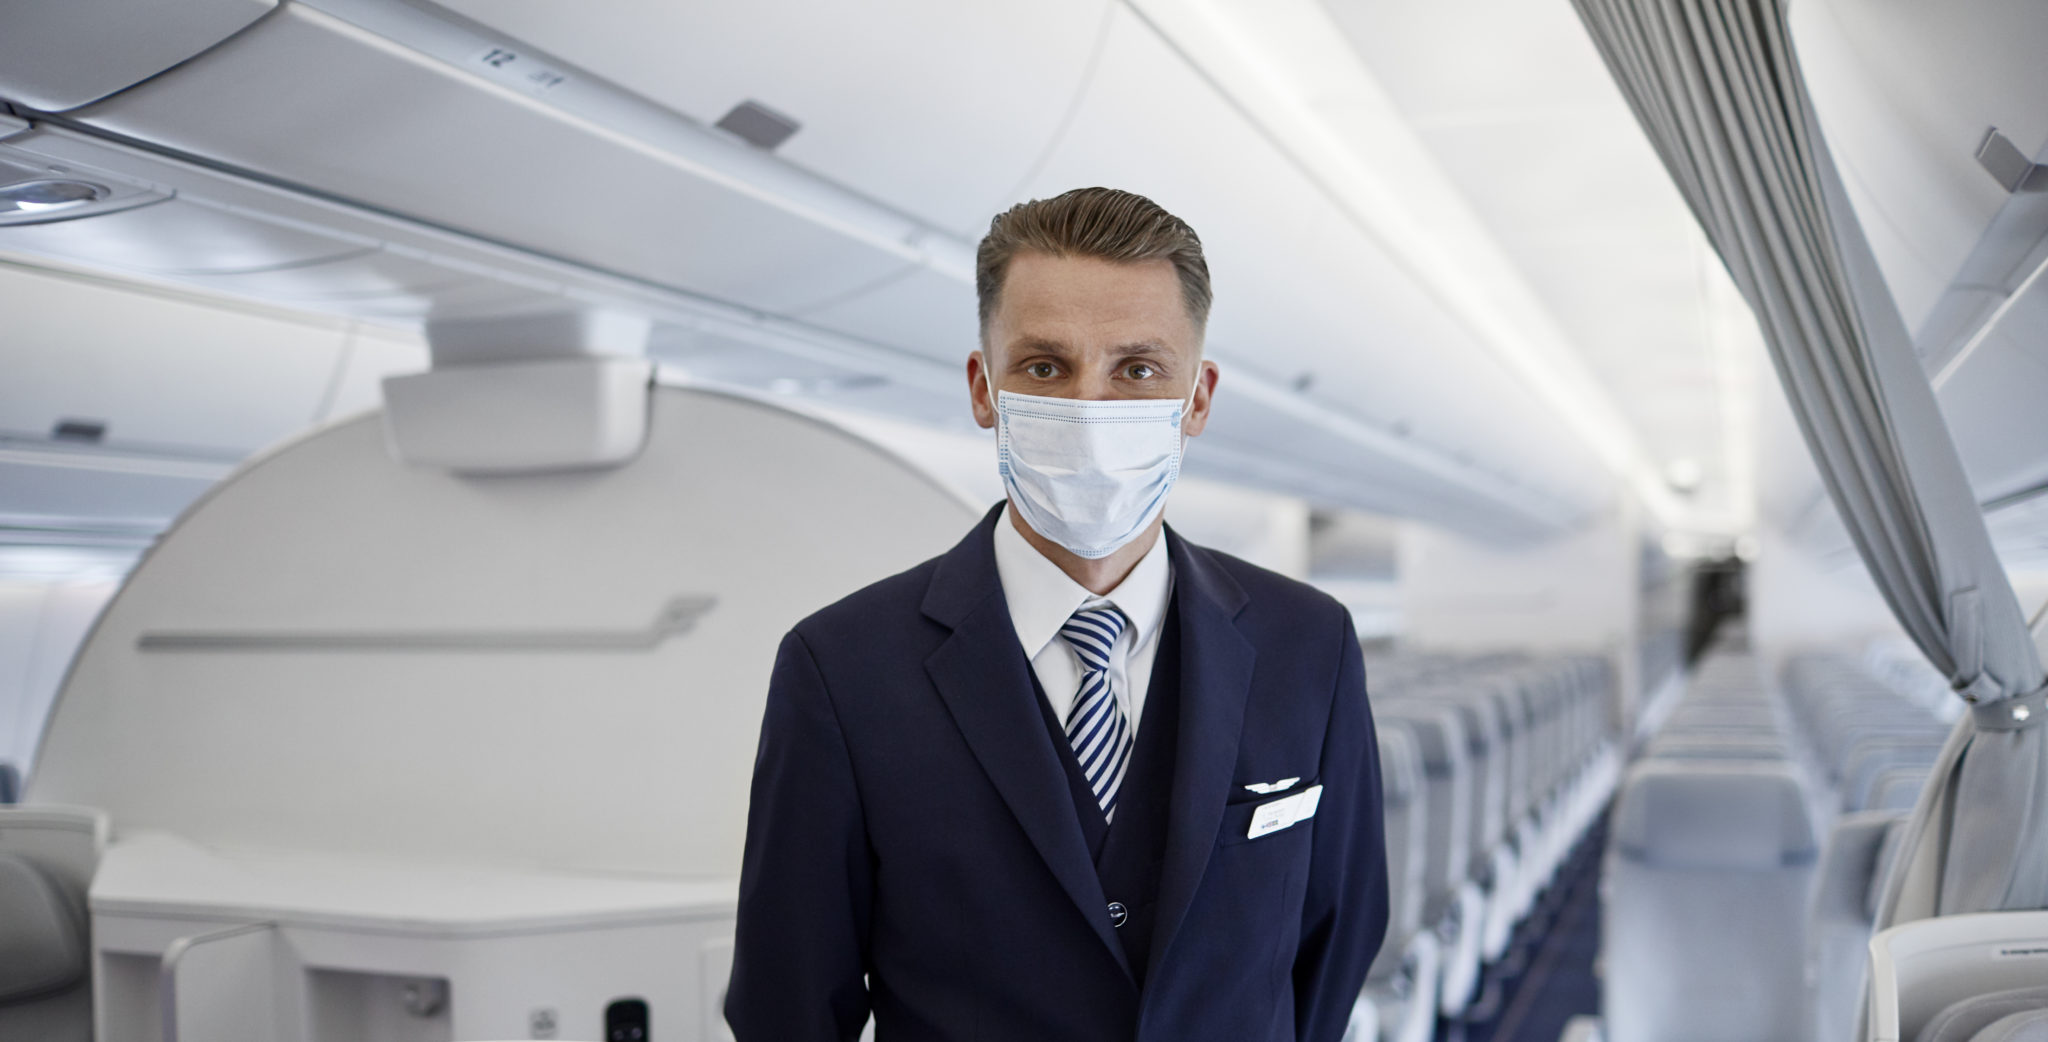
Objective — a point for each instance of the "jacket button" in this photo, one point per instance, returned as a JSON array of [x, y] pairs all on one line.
[[1118, 913]]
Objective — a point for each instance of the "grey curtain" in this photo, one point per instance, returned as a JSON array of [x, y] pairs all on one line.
[[1717, 88]]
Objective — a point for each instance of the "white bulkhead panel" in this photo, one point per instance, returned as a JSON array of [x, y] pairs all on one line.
[[337, 652]]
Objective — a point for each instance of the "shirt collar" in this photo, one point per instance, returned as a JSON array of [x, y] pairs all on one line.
[[1042, 598]]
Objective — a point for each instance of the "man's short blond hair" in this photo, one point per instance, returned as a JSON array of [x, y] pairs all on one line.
[[1103, 223]]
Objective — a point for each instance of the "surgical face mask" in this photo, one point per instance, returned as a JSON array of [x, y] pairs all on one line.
[[1088, 475]]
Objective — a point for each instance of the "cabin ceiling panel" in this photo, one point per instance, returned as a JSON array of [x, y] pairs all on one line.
[[1521, 114], [972, 95], [1303, 296]]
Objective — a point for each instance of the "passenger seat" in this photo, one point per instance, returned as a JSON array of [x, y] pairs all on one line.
[[47, 856], [1706, 877]]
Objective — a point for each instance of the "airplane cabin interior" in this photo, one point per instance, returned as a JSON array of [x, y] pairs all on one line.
[[421, 421]]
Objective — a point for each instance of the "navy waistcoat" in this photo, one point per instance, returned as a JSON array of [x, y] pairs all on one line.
[[1128, 854]]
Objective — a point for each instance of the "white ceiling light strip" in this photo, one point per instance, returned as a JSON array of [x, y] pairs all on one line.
[[1287, 65]]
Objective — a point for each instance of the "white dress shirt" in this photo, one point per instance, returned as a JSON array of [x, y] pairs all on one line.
[[1042, 598]]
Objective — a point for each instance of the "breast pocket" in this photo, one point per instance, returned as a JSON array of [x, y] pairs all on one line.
[[1267, 816]]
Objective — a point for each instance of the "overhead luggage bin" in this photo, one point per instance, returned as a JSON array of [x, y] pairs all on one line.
[[501, 728], [60, 56]]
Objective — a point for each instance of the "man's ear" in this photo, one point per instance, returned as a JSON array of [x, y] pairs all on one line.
[[978, 391], [1205, 393]]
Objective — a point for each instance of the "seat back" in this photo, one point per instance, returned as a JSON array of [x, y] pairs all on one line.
[[1705, 859], [1896, 788], [1839, 922], [1446, 798], [1486, 753], [2013, 1014], [1400, 790], [47, 857], [1946, 977]]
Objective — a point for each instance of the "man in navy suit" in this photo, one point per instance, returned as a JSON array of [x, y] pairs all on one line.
[[1077, 779]]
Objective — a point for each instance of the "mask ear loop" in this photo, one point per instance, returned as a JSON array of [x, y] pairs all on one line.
[[1187, 404]]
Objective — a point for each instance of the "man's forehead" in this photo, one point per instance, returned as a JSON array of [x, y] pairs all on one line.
[[1063, 303]]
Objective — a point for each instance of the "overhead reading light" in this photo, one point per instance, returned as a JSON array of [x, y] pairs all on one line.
[[45, 195]]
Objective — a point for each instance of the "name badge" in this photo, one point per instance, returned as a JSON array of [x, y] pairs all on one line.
[[1284, 812]]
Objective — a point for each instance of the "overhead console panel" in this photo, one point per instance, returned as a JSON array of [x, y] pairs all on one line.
[[57, 56]]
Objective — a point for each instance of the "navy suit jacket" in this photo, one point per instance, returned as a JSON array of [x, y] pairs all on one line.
[[912, 846]]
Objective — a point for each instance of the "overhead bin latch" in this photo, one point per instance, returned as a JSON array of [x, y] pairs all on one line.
[[2009, 166], [524, 394]]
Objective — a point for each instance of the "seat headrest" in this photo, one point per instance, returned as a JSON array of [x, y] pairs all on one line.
[[1974, 1017], [1896, 788], [2028, 1026], [42, 933], [1714, 814], [1681, 748], [1439, 733], [1400, 764]]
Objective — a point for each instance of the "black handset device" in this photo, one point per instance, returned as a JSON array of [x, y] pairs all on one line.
[[625, 1020]]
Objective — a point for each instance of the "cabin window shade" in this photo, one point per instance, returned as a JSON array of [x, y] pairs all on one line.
[[1716, 87]]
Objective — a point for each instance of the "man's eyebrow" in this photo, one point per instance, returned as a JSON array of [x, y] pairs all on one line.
[[1143, 347], [1038, 345]]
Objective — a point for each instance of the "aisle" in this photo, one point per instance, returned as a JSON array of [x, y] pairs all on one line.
[[1547, 977]]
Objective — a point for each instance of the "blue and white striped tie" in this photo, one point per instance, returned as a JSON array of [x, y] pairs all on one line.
[[1096, 725]]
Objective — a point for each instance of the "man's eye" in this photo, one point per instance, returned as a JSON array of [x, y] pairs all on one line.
[[1040, 370], [1140, 371]]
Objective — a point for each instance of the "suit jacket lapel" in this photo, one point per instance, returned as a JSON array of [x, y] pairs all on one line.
[[985, 681], [1215, 680]]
